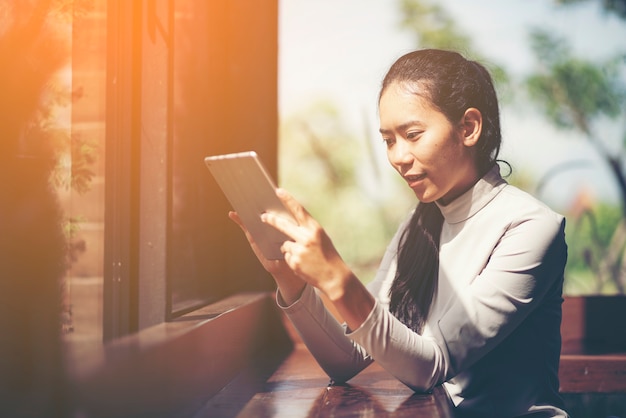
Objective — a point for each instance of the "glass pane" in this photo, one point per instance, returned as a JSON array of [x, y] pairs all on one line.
[[82, 189], [224, 101], [189, 255]]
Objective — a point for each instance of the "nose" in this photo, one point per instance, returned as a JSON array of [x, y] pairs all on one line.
[[400, 156]]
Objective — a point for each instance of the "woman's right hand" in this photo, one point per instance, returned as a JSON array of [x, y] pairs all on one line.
[[289, 284]]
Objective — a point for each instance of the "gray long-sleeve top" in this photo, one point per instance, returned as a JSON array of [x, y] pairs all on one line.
[[492, 336]]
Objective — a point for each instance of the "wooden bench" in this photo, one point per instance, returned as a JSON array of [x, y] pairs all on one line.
[[593, 355], [592, 372]]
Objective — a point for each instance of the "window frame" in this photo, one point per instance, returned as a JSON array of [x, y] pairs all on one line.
[[140, 78], [121, 229]]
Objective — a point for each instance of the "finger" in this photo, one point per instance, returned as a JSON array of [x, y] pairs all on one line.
[[298, 211], [234, 216], [287, 247], [290, 254], [269, 265], [282, 224]]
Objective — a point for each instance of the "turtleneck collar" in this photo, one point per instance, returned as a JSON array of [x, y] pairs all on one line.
[[469, 203]]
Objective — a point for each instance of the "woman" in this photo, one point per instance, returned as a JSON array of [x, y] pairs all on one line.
[[468, 294]]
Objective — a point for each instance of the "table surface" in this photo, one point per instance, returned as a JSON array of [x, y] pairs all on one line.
[[299, 388]]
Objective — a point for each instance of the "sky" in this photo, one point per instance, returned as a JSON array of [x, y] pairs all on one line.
[[339, 50]]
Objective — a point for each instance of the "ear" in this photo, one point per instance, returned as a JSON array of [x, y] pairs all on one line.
[[472, 124]]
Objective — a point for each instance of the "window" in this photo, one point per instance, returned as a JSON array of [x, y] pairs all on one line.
[[156, 86], [225, 100]]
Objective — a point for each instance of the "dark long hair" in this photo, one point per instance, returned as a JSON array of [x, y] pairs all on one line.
[[453, 84]]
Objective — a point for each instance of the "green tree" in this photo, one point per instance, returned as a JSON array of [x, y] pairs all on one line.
[[617, 7], [597, 241], [433, 27], [577, 94]]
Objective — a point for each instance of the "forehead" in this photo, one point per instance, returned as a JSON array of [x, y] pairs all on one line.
[[412, 92], [420, 88], [401, 101]]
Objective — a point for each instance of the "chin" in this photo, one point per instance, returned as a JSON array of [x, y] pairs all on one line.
[[424, 199], [426, 194]]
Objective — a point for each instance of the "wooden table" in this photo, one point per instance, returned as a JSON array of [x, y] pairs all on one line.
[[299, 388]]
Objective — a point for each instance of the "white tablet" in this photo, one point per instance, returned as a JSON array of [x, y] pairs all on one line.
[[251, 191]]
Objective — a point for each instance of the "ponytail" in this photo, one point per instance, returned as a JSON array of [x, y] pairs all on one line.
[[414, 287]]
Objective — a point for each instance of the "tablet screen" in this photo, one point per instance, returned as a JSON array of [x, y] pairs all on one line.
[[251, 191]]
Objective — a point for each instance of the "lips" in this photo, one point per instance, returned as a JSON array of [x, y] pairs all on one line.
[[414, 178]]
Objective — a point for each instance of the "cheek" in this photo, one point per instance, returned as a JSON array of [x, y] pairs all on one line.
[[445, 161], [453, 151], [391, 163], [388, 153]]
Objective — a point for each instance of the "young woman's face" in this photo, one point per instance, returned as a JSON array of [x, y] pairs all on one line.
[[426, 149]]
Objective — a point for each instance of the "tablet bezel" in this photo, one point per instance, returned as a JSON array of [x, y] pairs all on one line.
[[251, 191]]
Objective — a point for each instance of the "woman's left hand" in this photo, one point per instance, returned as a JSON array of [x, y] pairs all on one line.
[[310, 253]]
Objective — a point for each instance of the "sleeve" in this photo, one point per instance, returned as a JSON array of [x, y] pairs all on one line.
[[415, 360], [523, 266], [340, 357]]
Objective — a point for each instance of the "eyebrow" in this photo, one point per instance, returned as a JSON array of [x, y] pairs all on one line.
[[401, 127]]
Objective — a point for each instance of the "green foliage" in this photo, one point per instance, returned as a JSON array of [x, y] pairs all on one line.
[[594, 228], [435, 28], [617, 7], [592, 237], [574, 91], [35, 122], [76, 158], [329, 171], [34, 39]]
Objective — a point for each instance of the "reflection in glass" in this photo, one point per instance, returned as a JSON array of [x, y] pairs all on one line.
[[81, 191], [225, 100]]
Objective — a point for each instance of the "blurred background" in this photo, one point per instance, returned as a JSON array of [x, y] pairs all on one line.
[[560, 70]]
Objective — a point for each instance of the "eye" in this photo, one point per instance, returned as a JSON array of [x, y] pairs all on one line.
[[389, 141], [413, 135]]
